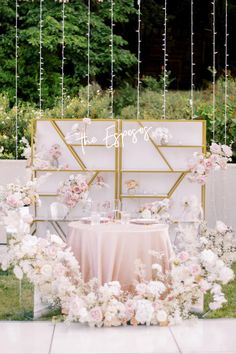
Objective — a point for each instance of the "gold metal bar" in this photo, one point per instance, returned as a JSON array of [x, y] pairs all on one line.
[[70, 148], [88, 145], [177, 183], [152, 171], [134, 196], [80, 171], [93, 178]]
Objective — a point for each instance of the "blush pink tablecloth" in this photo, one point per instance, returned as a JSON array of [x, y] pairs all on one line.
[[108, 251]]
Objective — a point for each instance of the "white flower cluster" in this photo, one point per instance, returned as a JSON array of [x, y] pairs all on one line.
[[166, 299], [221, 240], [162, 135]]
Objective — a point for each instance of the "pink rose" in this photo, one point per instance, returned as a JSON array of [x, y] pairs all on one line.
[[215, 148], [96, 314], [76, 189], [183, 256], [26, 201], [227, 150], [195, 269]]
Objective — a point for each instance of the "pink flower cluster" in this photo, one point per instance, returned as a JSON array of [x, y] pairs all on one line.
[[55, 151], [74, 189], [17, 196], [201, 164]]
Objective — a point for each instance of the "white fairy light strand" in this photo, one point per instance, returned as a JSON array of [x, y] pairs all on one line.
[[16, 80], [112, 60], [226, 72], [165, 59], [62, 58], [214, 67], [192, 62], [40, 56], [88, 54], [139, 57]]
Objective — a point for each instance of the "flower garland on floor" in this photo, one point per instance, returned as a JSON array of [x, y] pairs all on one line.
[[201, 164], [166, 299]]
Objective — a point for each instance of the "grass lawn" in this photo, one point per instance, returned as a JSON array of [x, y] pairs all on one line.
[[10, 308]]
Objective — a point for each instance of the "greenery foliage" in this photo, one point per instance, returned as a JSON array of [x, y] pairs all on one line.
[[178, 107], [75, 44]]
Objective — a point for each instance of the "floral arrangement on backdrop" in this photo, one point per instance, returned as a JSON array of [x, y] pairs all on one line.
[[162, 135], [157, 210], [166, 299], [73, 190], [201, 164], [15, 196]]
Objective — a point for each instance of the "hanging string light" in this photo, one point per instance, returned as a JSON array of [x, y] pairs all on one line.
[[139, 57], [226, 70], [112, 59], [62, 58], [88, 55], [214, 67], [165, 59], [192, 62], [16, 79], [40, 56]]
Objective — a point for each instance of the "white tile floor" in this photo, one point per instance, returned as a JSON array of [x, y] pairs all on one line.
[[200, 337]]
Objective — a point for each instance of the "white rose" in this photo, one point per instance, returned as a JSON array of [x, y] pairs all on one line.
[[221, 227], [146, 214], [56, 239], [144, 311], [83, 315], [46, 270], [157, 267], [161, 316], [18, 272], [226, 275], [156, 287]]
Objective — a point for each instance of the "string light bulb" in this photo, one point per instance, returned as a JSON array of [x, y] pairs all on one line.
[[192, 62], [16, 79], [165, 59], [226, 72], [62, 59], [213, 67], [112, 60], [40, 56], [139, 59], [88, 55]]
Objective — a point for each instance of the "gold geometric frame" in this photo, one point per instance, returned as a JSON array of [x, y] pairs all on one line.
[[118, 151]]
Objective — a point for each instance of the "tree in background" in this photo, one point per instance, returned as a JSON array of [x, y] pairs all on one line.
[[75, 46]]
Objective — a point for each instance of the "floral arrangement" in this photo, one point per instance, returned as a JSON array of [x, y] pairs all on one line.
[[201, 164], [74, 189], [162, 135], [16, 196], [221, 240], [49, 159], [164, 300], [131, 185], [100, 182], [157, 210]]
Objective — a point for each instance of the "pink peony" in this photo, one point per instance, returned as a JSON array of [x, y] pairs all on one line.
[[227, 150], [195, 269], [96, 314], [215, 148], [183, 256]]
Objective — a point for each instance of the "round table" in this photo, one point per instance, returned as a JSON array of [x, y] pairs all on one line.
[[108, 251]]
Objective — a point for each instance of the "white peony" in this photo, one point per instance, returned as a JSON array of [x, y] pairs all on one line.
[[209, 257], [56, 239], [144, 311], [226, 275], [146, 214], [18, 272], [156, 287], [46, 270], [161, 316], [221, 227]]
